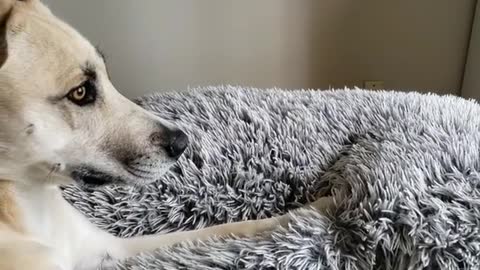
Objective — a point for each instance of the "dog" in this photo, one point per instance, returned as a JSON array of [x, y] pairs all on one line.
[[63, 122]]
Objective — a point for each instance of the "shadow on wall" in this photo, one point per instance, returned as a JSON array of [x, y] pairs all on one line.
[[471, 83], [411, 45]]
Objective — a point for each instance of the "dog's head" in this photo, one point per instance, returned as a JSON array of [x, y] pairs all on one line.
[[60, 116]]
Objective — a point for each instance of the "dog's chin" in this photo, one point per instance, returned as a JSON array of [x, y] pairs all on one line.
[[92, 178]]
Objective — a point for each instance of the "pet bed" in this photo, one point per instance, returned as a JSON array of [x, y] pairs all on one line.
[[403, 167]]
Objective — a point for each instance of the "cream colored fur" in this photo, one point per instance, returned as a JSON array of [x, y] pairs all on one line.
[[45, 138]]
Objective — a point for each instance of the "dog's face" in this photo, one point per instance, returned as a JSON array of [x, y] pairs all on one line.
[[60, 116]]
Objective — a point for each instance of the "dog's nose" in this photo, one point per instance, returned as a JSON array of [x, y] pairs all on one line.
[[174, 142], [178, 144]]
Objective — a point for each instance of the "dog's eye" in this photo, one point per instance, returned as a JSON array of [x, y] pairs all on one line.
[[83, 94], [79, 93]]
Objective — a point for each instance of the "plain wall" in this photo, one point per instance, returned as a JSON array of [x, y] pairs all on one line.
[[471, 83], [158, 45]]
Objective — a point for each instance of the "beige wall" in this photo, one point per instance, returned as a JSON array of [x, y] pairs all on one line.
[[161, 45], [471, 84]]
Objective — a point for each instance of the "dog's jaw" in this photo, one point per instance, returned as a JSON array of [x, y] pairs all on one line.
[[90, 177]]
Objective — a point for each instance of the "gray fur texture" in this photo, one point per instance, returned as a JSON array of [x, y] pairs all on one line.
[[404, 169]]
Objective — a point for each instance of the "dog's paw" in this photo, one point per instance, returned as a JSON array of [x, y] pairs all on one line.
[[282, 221], [108, 264], [103, 262], [323, 204]]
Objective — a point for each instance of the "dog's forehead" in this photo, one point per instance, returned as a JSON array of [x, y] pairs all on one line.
[[47, 37], [45, 55]]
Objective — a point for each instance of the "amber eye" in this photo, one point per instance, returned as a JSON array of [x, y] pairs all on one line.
[[83, 95], [78, 94]]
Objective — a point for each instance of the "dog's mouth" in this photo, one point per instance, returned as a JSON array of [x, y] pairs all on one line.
[[90, 177]]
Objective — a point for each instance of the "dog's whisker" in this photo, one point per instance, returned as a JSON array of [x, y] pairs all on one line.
[[137, 185], [48, 178], [139, 170], [139, 174], [53, 170]]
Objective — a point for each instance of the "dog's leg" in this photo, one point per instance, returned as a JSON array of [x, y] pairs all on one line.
[[322, 204], [136, 245], [102, 246]]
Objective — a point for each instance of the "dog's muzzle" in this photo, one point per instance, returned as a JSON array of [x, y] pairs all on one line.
[[166, 147]]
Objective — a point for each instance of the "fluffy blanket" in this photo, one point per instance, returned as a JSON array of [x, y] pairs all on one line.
[[404, 170]]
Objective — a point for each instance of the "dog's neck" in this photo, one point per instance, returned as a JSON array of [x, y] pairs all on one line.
[[24, 207], [10, 213], [39, 213]]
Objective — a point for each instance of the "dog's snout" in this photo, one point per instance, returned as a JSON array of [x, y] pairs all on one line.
[[174, 142]]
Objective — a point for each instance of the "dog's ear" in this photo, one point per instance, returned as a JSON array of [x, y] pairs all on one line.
[[6, 7]]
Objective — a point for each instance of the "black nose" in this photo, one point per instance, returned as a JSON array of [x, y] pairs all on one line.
[[177, 144], [174, 142]]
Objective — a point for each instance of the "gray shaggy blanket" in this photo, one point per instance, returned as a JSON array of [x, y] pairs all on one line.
[[404, 169]]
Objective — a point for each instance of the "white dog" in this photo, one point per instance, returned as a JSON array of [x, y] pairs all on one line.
[[63, 122]]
